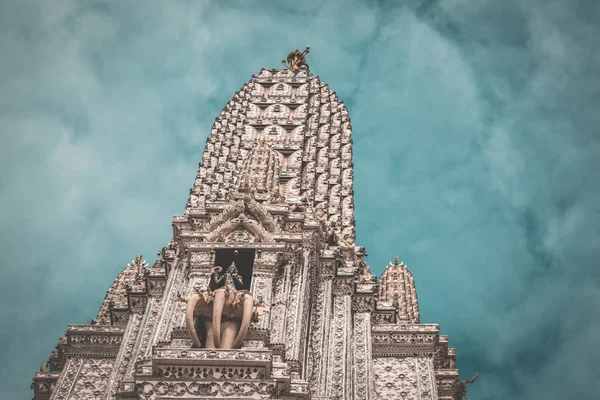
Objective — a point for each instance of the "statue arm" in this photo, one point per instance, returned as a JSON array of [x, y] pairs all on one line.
[[219, 279], [238, 279]]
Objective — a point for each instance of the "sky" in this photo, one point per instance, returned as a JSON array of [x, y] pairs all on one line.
[[476, 155]]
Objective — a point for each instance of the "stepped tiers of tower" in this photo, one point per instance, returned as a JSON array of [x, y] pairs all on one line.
[[262, 293]]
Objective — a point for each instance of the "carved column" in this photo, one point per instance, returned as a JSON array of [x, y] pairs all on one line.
[[338, 367], [320, 324], [142, 329], [156, 319], [362, 377], [262, 289], [279, 305], [292, 326], [171, 314], [124, 357], [299, 302]]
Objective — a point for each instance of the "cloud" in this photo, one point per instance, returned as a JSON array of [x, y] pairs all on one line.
[[475, 131]]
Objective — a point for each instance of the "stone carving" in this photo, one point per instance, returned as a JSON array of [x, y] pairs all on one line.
[[296, 60], [240, 236], [254, 228], [363, 381], [276, 177], [302, 91], [125, 356], [364, 272], [211, 389], [261, 171], [116, 297], [297, 134], [403, 378], [320, 331], [224, 309], [280, 90], [277, 111], [462, 386], [275, 133], [84, 379], [331, 237], [252, 356], [203, 373], [338, 362], [398, 287]]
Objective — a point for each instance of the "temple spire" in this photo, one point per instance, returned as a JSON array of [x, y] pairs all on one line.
[[262, 291]]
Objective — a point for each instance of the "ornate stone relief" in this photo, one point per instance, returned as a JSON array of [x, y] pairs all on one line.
[[338, 365], [404, 378], [250, 390], [275, 176], [319, 335], [363, 374], [240, 236], [397, 287], [84, 378]]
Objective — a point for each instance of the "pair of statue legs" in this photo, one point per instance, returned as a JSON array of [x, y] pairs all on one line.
[[226, 316], [229, 331]]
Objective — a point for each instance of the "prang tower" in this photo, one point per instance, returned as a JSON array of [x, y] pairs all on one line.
[[262, 292]]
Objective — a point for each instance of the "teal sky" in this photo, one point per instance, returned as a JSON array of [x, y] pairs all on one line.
[[476, 154]]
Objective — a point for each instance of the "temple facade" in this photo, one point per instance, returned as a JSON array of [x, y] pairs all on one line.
[[262, 293]]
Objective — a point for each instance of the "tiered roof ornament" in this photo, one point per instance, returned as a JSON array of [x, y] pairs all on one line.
[[397, 287]]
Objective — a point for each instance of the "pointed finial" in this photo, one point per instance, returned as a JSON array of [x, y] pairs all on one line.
[[296, 60], [396, 260]]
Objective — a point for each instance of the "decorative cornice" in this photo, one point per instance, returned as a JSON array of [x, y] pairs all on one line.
[[191, 389]]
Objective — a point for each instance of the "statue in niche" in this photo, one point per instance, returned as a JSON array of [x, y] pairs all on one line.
[[231, 279], [222, 313]]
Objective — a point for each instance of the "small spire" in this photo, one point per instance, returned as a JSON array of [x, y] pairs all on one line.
[[396, 260]]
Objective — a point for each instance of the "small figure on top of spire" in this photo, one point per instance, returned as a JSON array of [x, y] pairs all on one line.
[[296, 60]]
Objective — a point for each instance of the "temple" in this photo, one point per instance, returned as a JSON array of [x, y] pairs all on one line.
[[263, 292]]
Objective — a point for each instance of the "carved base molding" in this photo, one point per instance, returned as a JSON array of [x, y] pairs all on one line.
[[94, 341], [390, 340], [246, 373], [213, 356], [150, 390]]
